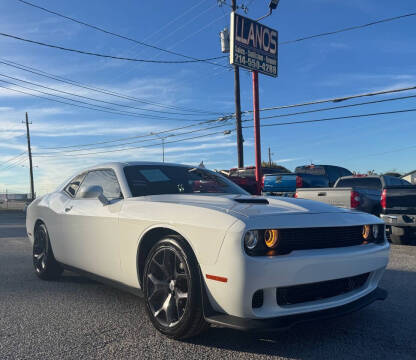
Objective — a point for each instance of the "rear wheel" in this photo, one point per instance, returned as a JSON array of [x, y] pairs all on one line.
[[172, 289], [46, 267]]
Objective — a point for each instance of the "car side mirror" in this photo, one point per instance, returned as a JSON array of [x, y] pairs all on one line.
[[94, 192]]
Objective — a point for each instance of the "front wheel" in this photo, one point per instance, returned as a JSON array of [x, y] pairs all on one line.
[[46, 267], [172, 289]]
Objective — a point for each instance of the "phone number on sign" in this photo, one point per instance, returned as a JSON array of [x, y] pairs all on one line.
[[255, 64]]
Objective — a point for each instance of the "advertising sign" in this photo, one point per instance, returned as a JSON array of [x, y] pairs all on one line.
[[253, 46]]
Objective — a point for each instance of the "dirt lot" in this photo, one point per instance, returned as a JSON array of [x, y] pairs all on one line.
[[76, 318]]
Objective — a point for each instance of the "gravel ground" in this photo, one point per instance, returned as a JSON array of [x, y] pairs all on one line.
[[78, 318]]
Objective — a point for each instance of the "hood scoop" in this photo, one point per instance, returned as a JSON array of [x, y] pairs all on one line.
[[251, 201]]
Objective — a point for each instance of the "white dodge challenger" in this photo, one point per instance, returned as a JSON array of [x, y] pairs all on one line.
[[201, 250]]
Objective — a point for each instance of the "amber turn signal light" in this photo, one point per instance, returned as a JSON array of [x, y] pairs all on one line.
[[271, 238], [366, 232]]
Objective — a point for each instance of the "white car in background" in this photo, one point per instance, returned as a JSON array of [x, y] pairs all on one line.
[[201, 250]]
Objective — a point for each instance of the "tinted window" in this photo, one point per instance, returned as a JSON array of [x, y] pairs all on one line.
[[365, 183], [107, 179], [312, 170], [333, 173], [72, 188], [394, 181], [164, 179]]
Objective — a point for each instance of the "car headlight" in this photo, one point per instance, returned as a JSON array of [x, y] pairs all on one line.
[[271, 238], [375, 231], [251, 239], [366, 232]]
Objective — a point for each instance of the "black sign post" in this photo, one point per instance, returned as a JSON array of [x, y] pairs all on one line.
[[253, 46]]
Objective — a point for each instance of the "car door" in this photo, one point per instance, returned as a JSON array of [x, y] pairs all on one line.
[[59, 203], [92, 228]]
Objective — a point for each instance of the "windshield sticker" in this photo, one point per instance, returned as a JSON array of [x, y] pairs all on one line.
[[154, 175]]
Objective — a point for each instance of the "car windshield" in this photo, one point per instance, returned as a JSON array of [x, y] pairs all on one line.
[[170, 179]]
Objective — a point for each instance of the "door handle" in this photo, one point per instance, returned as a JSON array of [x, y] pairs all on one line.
[[322, 194], [68, 209]]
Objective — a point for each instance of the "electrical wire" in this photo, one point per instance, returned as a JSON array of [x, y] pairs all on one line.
[[335, 100], [269, 117], [96, 107], [11, 165], [12, 159], [336, 118], [103, 91], [135, 147], [192, 59], [336, 107], [89, 98], [230, 130], [109, 56], [356, 27], [139, 141]]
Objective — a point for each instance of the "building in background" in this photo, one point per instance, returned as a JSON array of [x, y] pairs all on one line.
[[410, 177]]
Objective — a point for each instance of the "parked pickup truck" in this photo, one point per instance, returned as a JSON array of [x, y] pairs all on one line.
[[391, 198], [246, 177], [319, 175], [279, 184], [304, 177]]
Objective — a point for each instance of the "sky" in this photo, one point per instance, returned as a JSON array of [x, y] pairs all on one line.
[[371, 59]]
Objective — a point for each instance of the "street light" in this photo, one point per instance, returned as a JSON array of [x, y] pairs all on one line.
[[272, 6], [163, 143]]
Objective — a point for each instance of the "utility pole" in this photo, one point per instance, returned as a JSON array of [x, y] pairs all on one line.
[[29, 151], [270, 158], [162, 138], [239, 130], [257, 143]]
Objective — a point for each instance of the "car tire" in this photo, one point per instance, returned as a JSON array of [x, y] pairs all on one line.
[[398, 236], [44, 262], [172, 289], [398, 239]]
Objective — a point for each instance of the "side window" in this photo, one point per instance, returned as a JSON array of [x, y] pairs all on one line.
[[107, 179], [72, 188]]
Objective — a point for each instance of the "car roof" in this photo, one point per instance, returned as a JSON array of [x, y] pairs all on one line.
[[121, 164]]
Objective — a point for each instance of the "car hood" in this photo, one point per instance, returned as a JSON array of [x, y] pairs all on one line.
[[246, 205]]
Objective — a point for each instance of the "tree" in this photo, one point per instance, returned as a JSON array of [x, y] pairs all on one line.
[[273, 165]]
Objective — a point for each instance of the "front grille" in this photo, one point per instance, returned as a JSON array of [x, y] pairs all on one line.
[[321, 290], [319, 238]]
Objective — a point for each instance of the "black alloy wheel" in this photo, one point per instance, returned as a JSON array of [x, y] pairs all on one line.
[[46, 267], [172, 289]]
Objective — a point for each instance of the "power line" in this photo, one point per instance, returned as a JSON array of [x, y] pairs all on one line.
[[134, 142], [89, 98], [347, 29], [14, 163], [336, 118], [100, 90], [96, 107], [192, 59], [135, 147], [337, 107], [109, 56], [12, 159], [222, 132], [135, 137], [335, 100], [269, 117]]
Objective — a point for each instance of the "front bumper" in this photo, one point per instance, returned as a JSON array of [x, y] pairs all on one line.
[[286, 322]]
